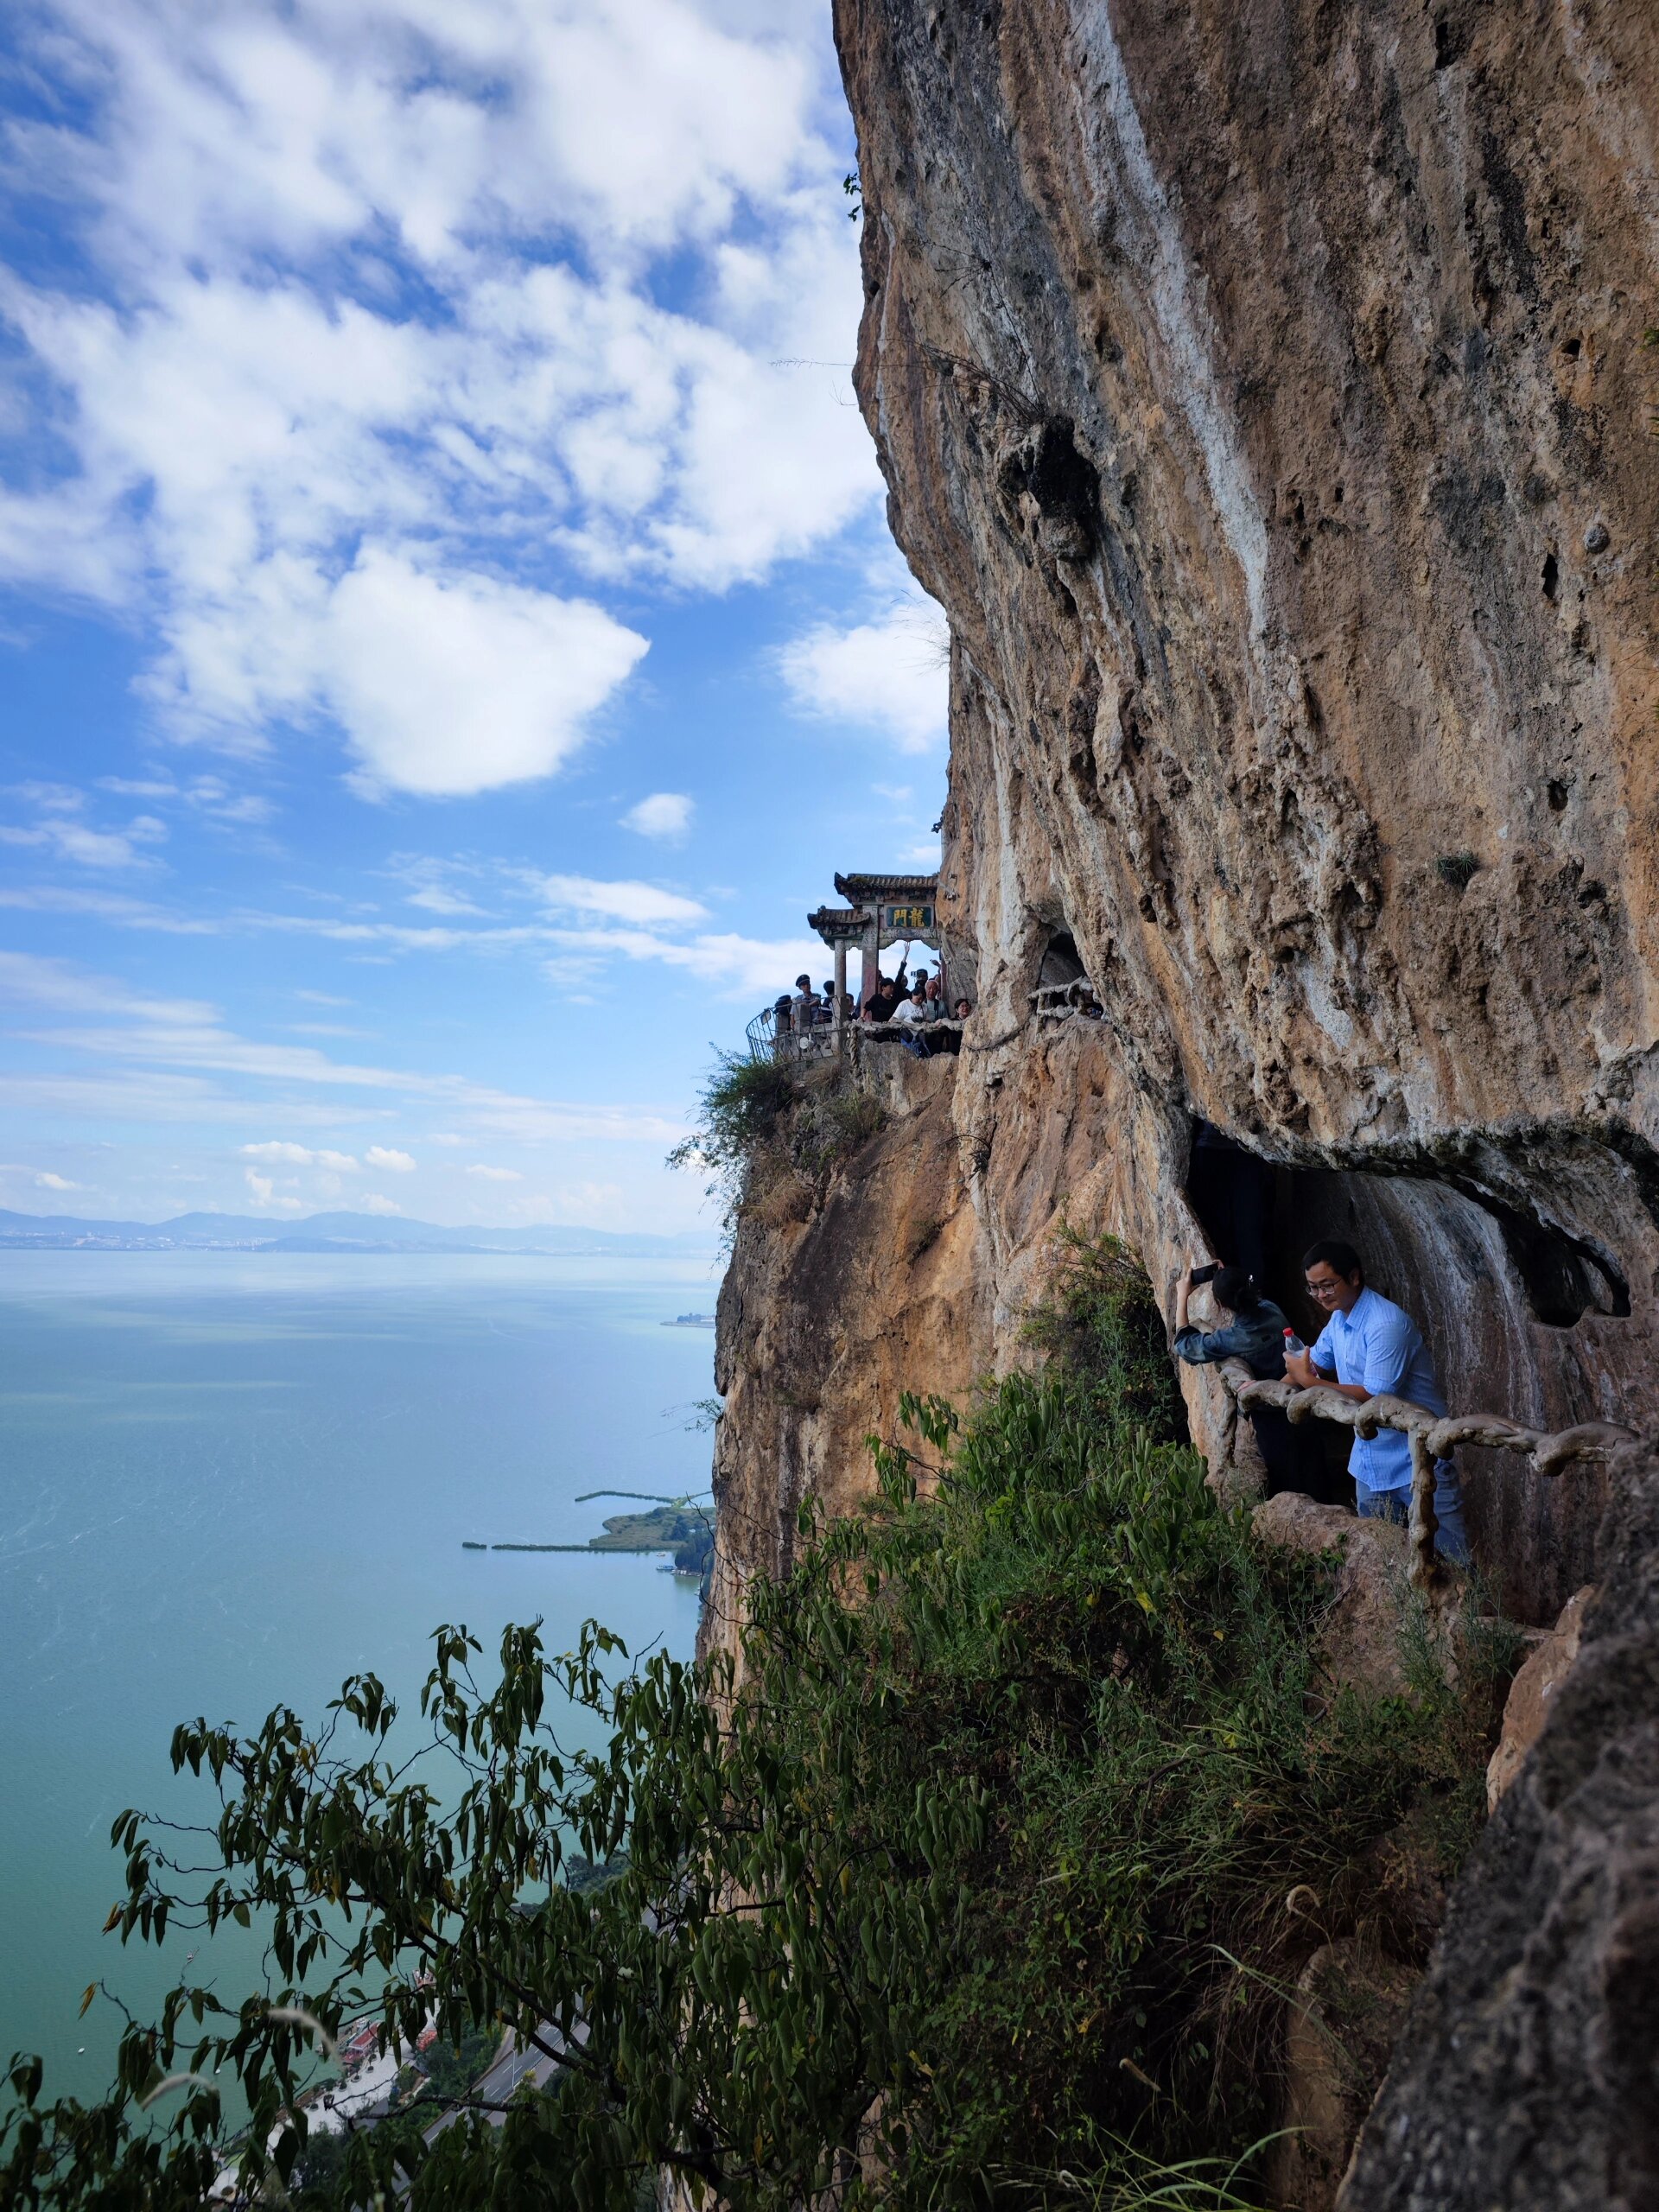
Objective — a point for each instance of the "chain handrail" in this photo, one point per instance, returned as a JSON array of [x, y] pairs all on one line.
[[894, 1033], [1059, 1002], [1431, 1436]]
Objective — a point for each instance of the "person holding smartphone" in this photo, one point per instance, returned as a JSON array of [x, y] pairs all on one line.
[[1256, 1334]]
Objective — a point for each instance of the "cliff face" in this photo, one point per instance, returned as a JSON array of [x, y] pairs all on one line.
[[1268, 395], [836, 1301], [1524, 2075]]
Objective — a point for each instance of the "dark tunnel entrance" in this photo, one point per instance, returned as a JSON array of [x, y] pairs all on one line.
[[1061, 962], [1522, 1319], [1236, 1196], [1263, 1216]]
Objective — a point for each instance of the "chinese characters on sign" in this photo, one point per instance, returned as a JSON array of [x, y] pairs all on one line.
[[910, 918]]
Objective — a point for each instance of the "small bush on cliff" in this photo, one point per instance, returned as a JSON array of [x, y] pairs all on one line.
[[755, 1128], [1096, 1324], [740, 1107], [972, 1894]]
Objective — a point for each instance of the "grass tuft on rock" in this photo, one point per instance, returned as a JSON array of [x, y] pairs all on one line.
[[762, 1136]]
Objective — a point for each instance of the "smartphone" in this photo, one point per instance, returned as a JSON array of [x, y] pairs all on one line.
[[1205, 1275]]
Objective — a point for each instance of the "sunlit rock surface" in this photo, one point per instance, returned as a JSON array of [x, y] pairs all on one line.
[[1269, 395], [1269, 398], [1524, 2078]]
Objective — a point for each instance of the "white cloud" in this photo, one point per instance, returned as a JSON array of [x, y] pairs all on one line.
[[65, 838], [598, 1203], [107, 906], [280, 1153], [890, 675], [209, 795], [740, 966], [155, 1056], [377, 1202], [437, 900], [35, 980], [465, 684], [626, 902], [385, 260], [494, 1174], [430, 885], [666, 815], [263, 1191], [48, 1181]]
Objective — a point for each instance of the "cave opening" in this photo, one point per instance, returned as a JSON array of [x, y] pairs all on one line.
[[1061, 963], [1522, 1317], [1430, 1236], [1235, 1195]]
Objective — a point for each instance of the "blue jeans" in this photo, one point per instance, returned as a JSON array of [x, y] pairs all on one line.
[[1450, 1537]]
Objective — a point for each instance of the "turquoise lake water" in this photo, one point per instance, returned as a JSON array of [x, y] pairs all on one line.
[[229, 1480]]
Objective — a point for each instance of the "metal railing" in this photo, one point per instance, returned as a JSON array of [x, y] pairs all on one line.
[[768, 1041], [1431, 1437]]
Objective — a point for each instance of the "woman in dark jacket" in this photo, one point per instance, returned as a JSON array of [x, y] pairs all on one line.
[[1255, 1334]]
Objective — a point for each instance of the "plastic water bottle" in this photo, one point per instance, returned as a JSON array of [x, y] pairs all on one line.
[[1293, 1346]]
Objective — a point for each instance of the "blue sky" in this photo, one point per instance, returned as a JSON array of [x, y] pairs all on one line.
[[448, 633]]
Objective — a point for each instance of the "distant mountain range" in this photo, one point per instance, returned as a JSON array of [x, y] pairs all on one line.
[[329, 1232]]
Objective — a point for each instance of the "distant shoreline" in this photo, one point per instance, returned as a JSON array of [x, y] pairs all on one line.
[[300, 1248], [340, 1235], [669, 1527]]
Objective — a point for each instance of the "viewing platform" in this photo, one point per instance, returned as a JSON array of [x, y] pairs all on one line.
[[882, 912]]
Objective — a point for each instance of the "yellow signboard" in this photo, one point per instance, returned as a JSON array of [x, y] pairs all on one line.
[[910, 918]]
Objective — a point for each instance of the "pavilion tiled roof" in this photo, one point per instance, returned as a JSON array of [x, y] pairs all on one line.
[[864, 890], [831, 922]]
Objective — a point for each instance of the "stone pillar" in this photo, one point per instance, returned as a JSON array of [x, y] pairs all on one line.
[[841, 996]]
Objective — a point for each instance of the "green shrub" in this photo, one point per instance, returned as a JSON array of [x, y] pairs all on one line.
[[755, 1127], [1458, 869], [973, 1893], [739, 1111], [829, 1125], [1096, 1322]]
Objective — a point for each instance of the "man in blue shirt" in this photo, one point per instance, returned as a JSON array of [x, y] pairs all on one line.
[[1372, 1346]]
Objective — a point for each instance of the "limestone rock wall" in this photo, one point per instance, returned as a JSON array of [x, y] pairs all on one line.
[[1522, 2081], [836, 1300], [1270, 393]]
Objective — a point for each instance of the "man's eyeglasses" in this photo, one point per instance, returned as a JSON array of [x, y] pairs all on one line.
[[1323, 1290]]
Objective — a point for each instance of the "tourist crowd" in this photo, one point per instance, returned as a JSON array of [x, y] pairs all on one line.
[[907, 1002]]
